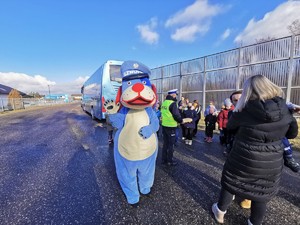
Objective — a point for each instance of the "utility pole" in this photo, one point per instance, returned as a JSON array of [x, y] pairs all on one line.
[[49, 90]]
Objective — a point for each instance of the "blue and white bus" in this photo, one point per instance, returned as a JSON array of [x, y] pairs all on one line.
[[101, 86]]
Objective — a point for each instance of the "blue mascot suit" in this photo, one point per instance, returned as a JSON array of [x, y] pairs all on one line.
[[136, 144]]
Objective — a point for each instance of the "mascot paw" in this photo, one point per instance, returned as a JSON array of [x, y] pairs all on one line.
[[145, 132], [111, 107]]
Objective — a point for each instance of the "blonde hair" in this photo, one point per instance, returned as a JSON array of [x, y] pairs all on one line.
[[258, 87]]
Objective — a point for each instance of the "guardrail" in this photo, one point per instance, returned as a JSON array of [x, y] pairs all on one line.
[[23, 103]]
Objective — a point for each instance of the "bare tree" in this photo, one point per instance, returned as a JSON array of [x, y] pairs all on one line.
[[15, 101], [294, 27], [261, 40]]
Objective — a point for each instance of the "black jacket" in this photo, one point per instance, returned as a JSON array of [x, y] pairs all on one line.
[[253, 168]]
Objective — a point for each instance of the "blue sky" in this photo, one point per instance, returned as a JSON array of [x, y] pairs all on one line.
[[62, 42]]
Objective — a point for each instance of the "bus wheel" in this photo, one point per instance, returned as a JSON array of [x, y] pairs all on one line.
[[92, 113]]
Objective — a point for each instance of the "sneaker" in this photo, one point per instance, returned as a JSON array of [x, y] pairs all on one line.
[[190, 142], [292, 164], [173, 163], [219, 215], [246, 204], [209, 140], [186, 142], [183, 138]]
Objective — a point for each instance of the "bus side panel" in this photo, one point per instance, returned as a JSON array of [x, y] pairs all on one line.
[[109, 88], [91, 97]]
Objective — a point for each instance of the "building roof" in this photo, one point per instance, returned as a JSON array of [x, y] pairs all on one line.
[[6, 90]]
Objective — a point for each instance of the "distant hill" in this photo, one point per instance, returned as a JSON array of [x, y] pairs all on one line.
[[4, 90]]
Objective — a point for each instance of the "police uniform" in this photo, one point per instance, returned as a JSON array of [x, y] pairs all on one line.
[[170, 117]]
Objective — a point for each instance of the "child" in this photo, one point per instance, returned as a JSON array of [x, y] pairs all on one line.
[[210, 124], [158, 114], [223, 120], [289, 161], [189, 127]]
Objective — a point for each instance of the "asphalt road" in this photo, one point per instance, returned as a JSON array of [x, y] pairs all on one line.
[[57, 168]]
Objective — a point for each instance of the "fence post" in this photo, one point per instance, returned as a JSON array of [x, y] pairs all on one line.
[[238, 79], [291, 69], [2, 105], [162, 87], [180, 81], [204, 86]]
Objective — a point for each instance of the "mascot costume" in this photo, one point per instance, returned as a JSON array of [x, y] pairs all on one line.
[[136, 144]]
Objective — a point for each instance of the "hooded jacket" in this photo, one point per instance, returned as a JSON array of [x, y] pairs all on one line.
[[253, 167]]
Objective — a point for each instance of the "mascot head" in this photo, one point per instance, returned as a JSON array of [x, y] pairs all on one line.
[[136, 91]]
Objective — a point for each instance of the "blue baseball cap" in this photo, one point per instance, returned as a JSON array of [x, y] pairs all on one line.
[[133, 70]]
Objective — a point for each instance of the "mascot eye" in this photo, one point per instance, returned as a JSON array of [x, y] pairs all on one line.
[[144, 82], [128, 82]]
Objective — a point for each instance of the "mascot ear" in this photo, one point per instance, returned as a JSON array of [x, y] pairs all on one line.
[[118, 97], [155, 92]]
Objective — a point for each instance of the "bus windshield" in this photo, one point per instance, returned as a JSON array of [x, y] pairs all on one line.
[[115, 73]]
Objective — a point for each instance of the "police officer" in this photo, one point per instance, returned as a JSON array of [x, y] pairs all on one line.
[[170, 117]]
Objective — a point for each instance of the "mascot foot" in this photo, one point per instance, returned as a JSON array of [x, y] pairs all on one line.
[[135, 205], [147, 195]]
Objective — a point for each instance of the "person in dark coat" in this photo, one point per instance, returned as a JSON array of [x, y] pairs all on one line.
[[253, 167], [210, 125], [170, 116], [189, 127]]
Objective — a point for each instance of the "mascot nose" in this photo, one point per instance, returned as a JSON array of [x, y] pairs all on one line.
[[138, 87]]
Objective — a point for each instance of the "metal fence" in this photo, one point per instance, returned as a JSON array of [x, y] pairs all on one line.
[[215, 77], [23, 103]]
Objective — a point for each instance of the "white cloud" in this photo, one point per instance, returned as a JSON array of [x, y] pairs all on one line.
[[147, 31], [193, 20], [226, 34], [38, 83], [273, 24]]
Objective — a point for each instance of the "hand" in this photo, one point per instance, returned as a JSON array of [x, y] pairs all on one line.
[[187, 120], [98, 125], [111, 107]]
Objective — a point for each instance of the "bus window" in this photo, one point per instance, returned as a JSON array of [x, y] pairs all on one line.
[[115, 73]]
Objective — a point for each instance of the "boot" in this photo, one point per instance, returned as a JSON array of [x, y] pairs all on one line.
[[292, 164], [219, 215], [246, 204]]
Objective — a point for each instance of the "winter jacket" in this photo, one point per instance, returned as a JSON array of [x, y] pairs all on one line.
[[190, 113], [223, 117], [210, 121], [253, 167]]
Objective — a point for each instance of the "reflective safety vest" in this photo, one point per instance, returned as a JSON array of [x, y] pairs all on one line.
[[166, 115]]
